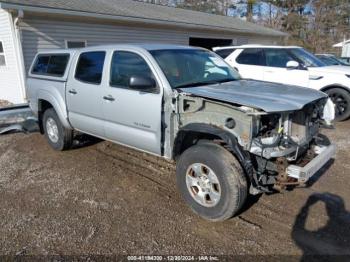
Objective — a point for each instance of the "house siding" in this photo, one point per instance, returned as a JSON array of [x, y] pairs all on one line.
[[10, 88], [43, 34]]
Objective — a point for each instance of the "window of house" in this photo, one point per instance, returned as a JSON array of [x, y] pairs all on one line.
[[75, 44], [125, 65], [224, 53], [251, 56], [90, 67], [51, 64], [2, 55]]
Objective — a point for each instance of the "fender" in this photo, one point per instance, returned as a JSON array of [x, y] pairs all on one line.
[[58, 104], [229, 139]]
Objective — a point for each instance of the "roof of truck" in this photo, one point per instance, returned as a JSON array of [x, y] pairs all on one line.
[[253, 46]]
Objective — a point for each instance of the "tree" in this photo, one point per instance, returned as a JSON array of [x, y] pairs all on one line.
[[314, 24], [250, 9], [329, 23]]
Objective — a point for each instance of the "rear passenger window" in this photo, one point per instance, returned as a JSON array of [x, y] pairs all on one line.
[[224, 53], [125, 65], [90, 67], [251, 56], [51, 65]]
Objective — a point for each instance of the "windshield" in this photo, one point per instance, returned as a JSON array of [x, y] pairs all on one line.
[[188, 68], [307, 59], [329, 60]]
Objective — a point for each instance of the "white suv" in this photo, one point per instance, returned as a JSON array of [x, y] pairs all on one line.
[[294, 66]]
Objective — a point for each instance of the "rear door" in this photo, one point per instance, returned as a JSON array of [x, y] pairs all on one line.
[[132, 117], [250, 63], [276, 68], [84, 93]]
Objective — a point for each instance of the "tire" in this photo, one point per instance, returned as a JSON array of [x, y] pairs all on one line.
[[61, 138], [231, 186], [341, 99]]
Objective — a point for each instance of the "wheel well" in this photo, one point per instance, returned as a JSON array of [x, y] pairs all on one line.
[[195, 133], [186, 139], [192, 134], [334, 86], [43, 105]]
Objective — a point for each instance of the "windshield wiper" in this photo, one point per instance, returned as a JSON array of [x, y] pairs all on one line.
[[197, 84], [206, 83], [226, 80]]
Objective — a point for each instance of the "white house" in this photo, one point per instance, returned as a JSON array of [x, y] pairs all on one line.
[[345, 45], [28, 26]]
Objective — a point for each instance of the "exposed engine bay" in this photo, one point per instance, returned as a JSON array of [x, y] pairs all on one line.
[[285, 139]]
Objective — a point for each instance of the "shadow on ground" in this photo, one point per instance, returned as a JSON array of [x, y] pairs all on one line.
[[83, 140], [329, 241]]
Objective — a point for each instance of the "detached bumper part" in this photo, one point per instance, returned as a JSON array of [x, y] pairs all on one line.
[[303, 174]]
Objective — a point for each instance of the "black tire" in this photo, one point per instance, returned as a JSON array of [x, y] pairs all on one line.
[[65, 136], [341, 99], [229, 172]]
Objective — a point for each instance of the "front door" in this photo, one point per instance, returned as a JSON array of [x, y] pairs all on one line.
[[84, 93], [132, 117], [276, 69]]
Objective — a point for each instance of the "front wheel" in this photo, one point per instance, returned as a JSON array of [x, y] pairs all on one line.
[[341, 99], [59, 137], [212, 181]]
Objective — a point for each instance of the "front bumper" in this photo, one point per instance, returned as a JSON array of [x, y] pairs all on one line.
[[303, 174]]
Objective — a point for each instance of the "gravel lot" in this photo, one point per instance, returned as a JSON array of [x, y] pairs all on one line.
[[101, 198]]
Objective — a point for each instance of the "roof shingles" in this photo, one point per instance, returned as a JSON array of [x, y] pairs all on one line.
[[135, 9]]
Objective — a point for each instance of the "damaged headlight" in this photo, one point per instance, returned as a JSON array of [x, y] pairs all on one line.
[[329, 112]]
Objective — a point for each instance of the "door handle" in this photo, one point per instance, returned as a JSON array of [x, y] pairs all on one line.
[[73, 92], [109, 98]]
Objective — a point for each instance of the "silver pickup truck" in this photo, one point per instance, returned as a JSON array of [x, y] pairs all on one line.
[[229, 137]]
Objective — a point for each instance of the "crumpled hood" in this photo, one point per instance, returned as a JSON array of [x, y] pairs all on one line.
[[266, 96]]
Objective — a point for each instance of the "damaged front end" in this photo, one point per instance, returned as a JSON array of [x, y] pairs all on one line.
[[273, 130], [287, 148]]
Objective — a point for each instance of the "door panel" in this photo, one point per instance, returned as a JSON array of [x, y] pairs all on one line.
[[84, 94], [287, 76], [251, 72], [132, 117], [276, 70]]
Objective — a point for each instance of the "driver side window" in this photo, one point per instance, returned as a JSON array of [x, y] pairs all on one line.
[[126, 65], [277, 58]]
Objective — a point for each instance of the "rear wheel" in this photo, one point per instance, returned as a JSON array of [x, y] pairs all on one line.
[[59, 137], [212, 181], [341, 99]]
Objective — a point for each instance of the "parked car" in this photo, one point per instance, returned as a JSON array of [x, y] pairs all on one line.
[[228, 136], [330, 60], [294, 66], [345, 59]]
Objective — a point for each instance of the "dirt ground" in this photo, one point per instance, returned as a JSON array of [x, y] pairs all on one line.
[[105, 199]]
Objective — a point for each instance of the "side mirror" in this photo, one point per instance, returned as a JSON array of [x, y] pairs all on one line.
[[143, 84], [292, 65]]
